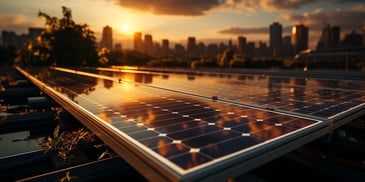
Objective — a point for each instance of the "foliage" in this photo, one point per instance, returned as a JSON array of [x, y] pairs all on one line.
[[168, 62], [63, 142], [7, 55], [236, 63], [135, 58], [63, 43], [106, 151], [208, 62], [67, 177], [226, 58]]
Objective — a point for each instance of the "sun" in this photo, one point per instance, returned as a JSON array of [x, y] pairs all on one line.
[[126, 28]]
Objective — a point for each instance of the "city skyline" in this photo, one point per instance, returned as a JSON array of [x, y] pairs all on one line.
[[208, 21]]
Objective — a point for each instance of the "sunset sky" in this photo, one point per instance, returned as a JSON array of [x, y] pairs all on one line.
[[207, 20]]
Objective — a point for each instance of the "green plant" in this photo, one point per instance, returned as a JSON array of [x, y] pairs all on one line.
[[63, 143]]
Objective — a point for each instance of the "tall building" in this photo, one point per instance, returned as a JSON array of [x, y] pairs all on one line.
[[212, 50], [179, 50], [191, 46], [299, 38], [165, 47], [156, 49], [363, 34], [200, 49], [107, 38], [10, 38], [138, 42], [250, 50], [276, 31], [352, 40], [148, 44], [330, 38], [241, 44], [287, 46], [118, 47]]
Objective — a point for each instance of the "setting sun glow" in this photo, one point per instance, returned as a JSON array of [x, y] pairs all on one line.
[[126, 28]]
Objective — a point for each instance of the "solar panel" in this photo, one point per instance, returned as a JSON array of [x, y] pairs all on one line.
[[173, 127], [311, 97]]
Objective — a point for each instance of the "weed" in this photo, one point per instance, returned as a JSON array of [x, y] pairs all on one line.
[[63, 142]]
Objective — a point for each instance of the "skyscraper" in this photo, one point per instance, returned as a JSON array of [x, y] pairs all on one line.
[[330, 38], [212, 50], [138, 42], [165, 47], [363, 34], [276, 31], [299, 38], [107, 38], [191, 46], [241, 44], [287, 46], [148, 44]]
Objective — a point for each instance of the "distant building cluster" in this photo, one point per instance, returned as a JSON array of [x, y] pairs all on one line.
[[279, 45], [10, 38]]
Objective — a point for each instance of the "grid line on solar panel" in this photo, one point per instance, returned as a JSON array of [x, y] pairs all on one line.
[[264, 101], [273, 103], [203, 130], [192, 141]]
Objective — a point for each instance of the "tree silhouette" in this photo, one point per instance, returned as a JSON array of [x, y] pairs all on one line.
[[226, 57], [64, 43]]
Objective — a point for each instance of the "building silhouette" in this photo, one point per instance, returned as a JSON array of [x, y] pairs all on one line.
[[299, 38], [10, 38], [212, 50], [165, 48], [287, 46], [200, 49], [138, 42], [352, 40], [191, 46], [250, 49], [179, 50], [118, 47], [148, 44], [363, 34], [241, 44], [35, 32], [107, 38], [330, 38], [275, 38]]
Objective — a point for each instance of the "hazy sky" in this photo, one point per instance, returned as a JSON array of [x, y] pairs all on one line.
[[207, 20]]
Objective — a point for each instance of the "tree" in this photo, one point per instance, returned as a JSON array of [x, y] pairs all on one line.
[[226, 57], [7, 55], [65, 43]]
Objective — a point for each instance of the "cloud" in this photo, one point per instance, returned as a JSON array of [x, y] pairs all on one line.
[[285, 4], [201, 7], [16, 23], [171, 7], [348, 20], [250, 30], [273, 5], [241, 30]]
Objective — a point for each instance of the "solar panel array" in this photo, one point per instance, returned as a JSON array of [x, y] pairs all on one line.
[[192, 122]]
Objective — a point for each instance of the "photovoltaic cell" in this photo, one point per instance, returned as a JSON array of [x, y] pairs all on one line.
[[177, 120]]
